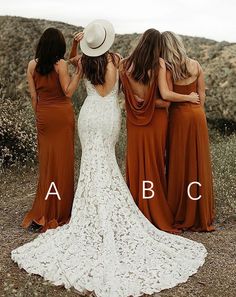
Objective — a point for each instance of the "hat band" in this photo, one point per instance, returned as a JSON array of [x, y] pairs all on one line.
[[103, 40]]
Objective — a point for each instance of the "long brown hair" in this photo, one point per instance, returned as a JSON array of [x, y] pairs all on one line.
[[175, 56], [50, 49], [94, 68], [144, 60]]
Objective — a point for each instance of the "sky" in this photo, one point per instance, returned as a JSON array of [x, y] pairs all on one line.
[[214, 19]]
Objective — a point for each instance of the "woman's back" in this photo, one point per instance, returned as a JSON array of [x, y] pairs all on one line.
[[186, 89], [48, 86], [139, 89], [189, 84], [193, 69], [111, 77], [99, 118]]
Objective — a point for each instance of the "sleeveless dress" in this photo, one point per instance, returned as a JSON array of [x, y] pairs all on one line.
[[145, 156], [108, 247], [189, 161], [55, 132]]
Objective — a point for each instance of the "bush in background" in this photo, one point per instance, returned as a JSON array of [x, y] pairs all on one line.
[[17, 133]]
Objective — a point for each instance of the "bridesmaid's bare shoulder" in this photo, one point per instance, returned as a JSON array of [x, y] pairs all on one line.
[[60, 65], [194, 67], [61, 62], [31, 66]]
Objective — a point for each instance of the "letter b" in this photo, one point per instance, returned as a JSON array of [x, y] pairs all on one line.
[[147, 189]]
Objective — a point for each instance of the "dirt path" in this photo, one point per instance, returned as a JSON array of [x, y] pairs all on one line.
[[216, 278]]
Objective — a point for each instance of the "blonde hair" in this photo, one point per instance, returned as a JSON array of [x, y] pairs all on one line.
[[175, 56]]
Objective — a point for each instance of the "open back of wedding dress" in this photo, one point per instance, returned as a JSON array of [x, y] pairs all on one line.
[[108, 246]]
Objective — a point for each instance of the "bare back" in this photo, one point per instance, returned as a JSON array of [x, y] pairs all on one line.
[[110, 77], [194, 69], [139, 89]]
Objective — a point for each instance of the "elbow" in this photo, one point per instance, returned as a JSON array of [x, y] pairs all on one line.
[[165, 96]]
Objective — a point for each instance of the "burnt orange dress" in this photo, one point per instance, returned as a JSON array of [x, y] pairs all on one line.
[[189, 161], [145, 157], [55, 132]]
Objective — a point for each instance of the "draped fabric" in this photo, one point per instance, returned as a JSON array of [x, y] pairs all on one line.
[[145, 157], [139, 114]]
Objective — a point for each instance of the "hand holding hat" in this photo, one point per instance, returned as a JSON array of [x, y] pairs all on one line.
[[78, 36]]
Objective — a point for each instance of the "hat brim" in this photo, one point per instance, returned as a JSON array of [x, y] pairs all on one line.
[[110, 37]]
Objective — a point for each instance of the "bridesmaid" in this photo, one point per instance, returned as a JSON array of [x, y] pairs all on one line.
[[188, 143], [51, 88], [147, 128]]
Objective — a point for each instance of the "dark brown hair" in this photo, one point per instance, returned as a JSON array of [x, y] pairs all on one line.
[[144, 60], [50, 49], [94, 68]]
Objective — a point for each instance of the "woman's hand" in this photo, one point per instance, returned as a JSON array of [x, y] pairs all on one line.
[[78, 37], [194, 98]]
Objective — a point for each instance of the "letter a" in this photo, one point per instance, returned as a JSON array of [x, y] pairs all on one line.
[[147, 189], [52, 193]]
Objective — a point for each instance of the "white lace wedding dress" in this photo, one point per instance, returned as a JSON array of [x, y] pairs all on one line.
[[108, 246]]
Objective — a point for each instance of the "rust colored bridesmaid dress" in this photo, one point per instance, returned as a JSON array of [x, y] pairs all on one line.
[[189, 161], [55, 131], [145, 157]]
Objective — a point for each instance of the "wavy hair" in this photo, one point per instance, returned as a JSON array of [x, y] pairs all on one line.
[[144, 60], [94, 68], [50, 49], [175, 56]]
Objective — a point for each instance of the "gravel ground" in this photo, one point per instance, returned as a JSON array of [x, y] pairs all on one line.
[[216, 278]]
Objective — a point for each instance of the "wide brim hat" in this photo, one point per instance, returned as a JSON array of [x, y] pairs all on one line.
[[99, 36]]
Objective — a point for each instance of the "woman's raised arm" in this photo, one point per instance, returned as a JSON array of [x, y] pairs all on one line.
[[74, 56], [68, 84]]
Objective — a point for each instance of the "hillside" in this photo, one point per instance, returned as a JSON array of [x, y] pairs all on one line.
[[19, 168], [18, 38]]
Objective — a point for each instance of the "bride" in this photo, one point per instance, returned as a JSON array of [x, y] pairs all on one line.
[[108, 247]]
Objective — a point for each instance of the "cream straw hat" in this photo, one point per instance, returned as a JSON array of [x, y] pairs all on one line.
[[99, 36]]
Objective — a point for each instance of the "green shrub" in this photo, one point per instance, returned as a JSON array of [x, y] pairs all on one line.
[[17, 133]]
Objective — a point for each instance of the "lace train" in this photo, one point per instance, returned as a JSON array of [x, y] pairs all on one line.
[[108, 246]]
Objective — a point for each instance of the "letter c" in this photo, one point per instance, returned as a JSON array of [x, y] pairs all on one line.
[[189, 195]]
